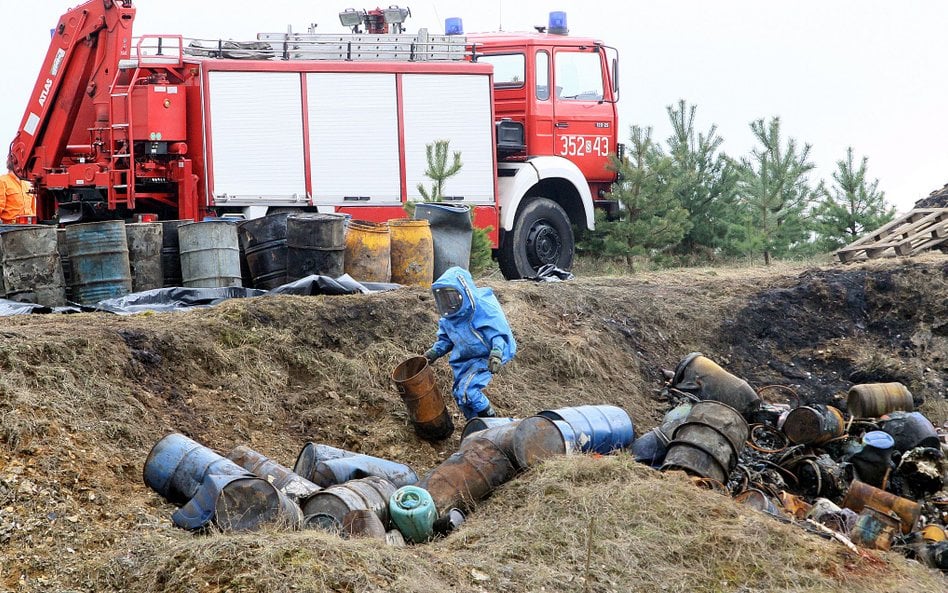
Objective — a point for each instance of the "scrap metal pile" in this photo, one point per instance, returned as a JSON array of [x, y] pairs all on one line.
[[873, 476]]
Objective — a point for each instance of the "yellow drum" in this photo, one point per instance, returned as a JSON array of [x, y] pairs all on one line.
[[368, 251], [412, 252]]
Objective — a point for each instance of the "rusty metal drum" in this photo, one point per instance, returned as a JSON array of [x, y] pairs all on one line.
[[415, 381], [475, 425], [363, 523], [368, 255], [327, 508], [813, 425], [469, 475], [702, 377], [502, 435], [98, 253], [412, 252], [872, 400], [874, 529], [285, 480], [538, 438], [862, 495], [30, 267], [144, 255]]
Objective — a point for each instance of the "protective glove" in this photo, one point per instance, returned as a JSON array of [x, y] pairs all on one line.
[[431, 355], [494, 362]]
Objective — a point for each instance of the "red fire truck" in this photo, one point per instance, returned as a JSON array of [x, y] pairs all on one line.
[[120, 125]]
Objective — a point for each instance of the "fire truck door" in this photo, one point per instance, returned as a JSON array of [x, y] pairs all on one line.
[[583, 125]]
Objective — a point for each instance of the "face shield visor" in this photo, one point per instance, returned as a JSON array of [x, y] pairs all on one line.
[[447, 300]]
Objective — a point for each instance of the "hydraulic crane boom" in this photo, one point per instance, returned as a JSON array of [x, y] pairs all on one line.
[[79, 68]]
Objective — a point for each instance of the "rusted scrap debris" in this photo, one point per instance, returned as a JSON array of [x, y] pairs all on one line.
[[872, 475]]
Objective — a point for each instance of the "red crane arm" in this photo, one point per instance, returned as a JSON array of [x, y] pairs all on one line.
[[81, 62]]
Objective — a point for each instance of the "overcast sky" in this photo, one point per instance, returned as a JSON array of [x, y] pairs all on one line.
[[861, 73]]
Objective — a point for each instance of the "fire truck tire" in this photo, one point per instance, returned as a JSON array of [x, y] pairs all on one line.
[[542, 235]]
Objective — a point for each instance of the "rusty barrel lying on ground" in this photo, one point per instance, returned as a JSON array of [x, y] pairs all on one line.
[[813, 425], [501, 434], [263, 243], [144, 255], [214, 488], [874, 529], [475, 425], [861, 495], [709, 442], [327, 508], [415, 381], [702, 377], [30, 268], [363, 523], [872, 400], [597, 429], [315, 244], [287, 481], [467, 476], [538, 437]]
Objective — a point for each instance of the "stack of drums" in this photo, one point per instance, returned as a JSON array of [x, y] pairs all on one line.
[[709, 442]]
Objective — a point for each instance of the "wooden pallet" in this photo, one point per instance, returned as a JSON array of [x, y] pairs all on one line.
[[917, 231]]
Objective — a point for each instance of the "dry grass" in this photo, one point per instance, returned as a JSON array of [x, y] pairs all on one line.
[[83, 398]]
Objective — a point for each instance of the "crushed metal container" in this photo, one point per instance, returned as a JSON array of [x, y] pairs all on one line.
[[861, 495], [327, 508], [325, 466], [293, 485], [709, 442], [700, 376], [813, 425], [874, 529]]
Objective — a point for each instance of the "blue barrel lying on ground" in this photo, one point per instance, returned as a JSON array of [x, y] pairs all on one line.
[[325, 466], [214, 489], [598, 429]]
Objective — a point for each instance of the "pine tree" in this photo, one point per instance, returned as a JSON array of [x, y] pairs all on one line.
[[438, 169], [704, 180], [853, 206], [775, 192], [650, 217]]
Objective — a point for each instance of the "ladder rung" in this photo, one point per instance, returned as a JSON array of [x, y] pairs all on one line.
[[119, 95], [118, 156], [119, 126], [120, 186]]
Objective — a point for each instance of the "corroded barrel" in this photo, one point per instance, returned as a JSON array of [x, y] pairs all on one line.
[[475, 425], [415, 381], [861, 495], [315, 244], [709, 442], [412, 252], [263, 242], [702, 377], [31, 269], [872, 400], [369, 251], [813, 425], [327, 509], [469, 475], [287, 481], [538, 437], [98, 252], [144, 255], [210, 255]]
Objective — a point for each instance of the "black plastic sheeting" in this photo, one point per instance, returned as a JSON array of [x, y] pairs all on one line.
[[181, 299], [550, 273]]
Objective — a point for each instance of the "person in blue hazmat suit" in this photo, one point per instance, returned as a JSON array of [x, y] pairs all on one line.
[[475, 331]]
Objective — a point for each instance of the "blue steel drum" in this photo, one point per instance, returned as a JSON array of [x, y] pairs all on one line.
[[341, 470], [650, 448], [177, 466], [313, 453], [599, 429], [98, 255], [475, 425]]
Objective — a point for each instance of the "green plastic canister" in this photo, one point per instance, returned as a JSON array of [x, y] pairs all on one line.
[[413, 512]]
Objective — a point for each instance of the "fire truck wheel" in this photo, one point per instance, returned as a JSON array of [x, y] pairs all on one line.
[[541, 235]]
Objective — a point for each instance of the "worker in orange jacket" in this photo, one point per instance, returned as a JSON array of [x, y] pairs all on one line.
[[16, 197]]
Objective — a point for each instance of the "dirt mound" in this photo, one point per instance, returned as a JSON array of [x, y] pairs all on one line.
[[84, 397]]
